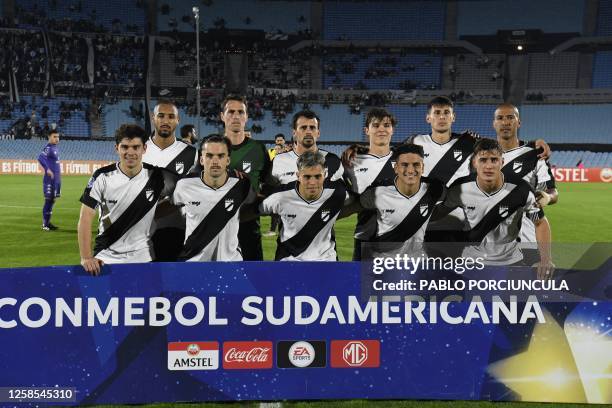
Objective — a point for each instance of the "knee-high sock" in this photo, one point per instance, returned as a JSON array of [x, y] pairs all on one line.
[[47, 210]]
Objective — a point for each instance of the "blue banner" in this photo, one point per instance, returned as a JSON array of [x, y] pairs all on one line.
[[274, 331]]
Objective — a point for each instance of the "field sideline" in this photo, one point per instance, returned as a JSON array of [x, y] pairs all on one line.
[[582, 215]]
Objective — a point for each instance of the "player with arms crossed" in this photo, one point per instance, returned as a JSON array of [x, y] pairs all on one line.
[[308, 209], [371, 166], [248, 156], [211, 203], [52, 181], [494, 209], [403, 204], [306, 133], [126, 195]]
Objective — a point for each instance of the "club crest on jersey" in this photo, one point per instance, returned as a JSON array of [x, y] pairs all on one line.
[[149, 194], [424, 209], [246, 166], [503, 211], [180, 167], [517, 167], [229, 204], [458, 155], [325, 215]]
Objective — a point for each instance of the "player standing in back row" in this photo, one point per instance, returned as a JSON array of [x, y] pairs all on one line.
[[248, 156], [52, 182]]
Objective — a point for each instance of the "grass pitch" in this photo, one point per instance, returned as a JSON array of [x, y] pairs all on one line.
[[583, 215]]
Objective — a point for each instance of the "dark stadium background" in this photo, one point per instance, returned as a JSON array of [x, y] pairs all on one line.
[[85, 67]]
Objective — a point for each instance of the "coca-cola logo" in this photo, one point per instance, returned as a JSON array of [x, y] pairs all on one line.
[[247, 354], [258, 354]]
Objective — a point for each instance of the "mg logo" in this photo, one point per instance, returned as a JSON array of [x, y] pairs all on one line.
[[355, 353]]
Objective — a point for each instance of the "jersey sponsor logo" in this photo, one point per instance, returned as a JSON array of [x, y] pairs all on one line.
[[503, 211], [301, 354], [424, 209], [238, 355], [325, 215], [470, 208], [389, 211], [517, 166], [355, 353], [458, 154], [289, 173], [229, 204], [194, 355], [196, 203], [111, 201], [291, 215], [149, 194], [90, 183], [180, 167], [246, 166], [362, 170]]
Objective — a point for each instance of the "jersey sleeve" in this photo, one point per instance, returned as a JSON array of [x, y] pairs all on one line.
[[178, 197], [43, 158], [531, 209], [545, 179], [338, 175], [94, 192], [453, 197], [367, 199], [170, 181], [270, 205]]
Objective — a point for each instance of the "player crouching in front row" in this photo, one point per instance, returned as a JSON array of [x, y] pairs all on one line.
[[126, 195]]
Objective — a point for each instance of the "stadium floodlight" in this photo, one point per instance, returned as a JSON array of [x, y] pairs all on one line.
[[196, 14]]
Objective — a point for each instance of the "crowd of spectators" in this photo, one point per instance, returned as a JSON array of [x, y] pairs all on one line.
[[29, 61], [119, 60], [68, 58]]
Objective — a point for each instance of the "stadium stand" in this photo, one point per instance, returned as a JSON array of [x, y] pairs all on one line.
[[382, 71], [602, 69], [604, 18], [69, 149], [116, 16], [567, 123], [486, 17], [553, 71], [471, 71], [237, 14], [409, 20]]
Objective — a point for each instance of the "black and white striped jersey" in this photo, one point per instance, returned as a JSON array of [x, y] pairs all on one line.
[[212, 217], [179, 157], [400, 218], [367, 169], [493, 219], [126, 209], [284, 167], [448, 161], [522, 163], [306, 233]]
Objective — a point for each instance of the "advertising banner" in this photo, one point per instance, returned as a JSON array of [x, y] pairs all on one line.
[[583, 175], [68, 167], [148, 333]]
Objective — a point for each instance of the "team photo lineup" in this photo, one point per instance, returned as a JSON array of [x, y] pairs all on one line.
[[166, 200]]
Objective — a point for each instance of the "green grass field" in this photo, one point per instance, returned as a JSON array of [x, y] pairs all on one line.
[[583, 215]]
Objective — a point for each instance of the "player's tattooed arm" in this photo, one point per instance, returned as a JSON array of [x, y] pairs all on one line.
[[91, 264]]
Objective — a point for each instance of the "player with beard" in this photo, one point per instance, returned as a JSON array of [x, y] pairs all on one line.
[[248, 156], [164, 150], [306, 133]]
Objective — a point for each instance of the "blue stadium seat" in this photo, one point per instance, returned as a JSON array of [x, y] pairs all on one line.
[[602, 69]]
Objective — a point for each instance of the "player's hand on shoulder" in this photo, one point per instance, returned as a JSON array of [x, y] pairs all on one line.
[[348, 156], [92, 265], [546, 151], [472, 133], [542, 198], [240, 174]]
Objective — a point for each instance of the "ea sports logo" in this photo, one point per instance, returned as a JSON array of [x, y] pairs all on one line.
[[301, 354], [355, 353], [193, 349], [606, 175]]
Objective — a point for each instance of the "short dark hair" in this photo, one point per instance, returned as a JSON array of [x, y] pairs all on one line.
[[440, 101], [186, 130], [217, 138], [379, 114], [308, 114], [52, 132], [407, 148], [130, 131], [488, 145], [234, 97], [279, 135]]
